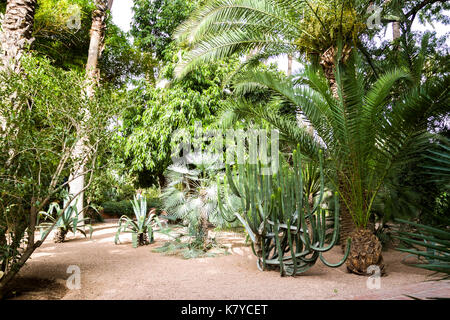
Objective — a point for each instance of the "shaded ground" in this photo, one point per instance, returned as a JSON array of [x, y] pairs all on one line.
[[110, 271]]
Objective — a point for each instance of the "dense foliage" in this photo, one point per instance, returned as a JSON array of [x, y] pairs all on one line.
[[36, 145]]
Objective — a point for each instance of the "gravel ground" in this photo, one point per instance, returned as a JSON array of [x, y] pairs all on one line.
[[110, 271]]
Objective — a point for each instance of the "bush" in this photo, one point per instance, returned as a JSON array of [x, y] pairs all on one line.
[[124, 207], [107, 186], [118, 208]]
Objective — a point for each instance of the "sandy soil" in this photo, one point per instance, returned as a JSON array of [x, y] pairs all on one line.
[[110, 271]]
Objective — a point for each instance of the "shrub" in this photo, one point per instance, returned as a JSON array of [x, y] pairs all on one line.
[[118, 208]]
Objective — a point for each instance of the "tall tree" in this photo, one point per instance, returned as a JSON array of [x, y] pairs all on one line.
[[81, 150], [154, 22]]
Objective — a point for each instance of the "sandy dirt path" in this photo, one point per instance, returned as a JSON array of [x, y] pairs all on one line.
[[110, 271]]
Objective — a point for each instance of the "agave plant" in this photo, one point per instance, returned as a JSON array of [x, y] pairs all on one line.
[[141, 229], [431, 245], [64, 220]]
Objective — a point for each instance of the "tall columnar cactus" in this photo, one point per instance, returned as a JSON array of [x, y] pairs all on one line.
[[286, 232]]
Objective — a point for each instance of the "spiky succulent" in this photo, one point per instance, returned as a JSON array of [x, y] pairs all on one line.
[[285, 231], [141, 229], [63, 220]]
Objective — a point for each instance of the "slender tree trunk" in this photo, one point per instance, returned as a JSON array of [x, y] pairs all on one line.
[[395, 30], [81, 150], [289, 65]]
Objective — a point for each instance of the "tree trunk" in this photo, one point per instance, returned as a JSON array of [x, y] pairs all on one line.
[[17, 31], [328, 63], [81, 151], [289, 65], [395, 30], [365, 253]]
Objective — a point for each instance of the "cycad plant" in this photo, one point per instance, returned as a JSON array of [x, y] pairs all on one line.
[[364, 134], [286, 232], [141, 229], [191, 195], [63, 220]]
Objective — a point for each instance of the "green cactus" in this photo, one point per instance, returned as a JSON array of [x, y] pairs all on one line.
[[285, 232]]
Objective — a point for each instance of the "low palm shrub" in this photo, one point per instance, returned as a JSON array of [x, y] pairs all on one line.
[[191, 195]]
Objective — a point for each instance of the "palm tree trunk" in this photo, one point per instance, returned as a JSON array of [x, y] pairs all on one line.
[[203, 229], [81, 150], [328, 63], [17, 31]]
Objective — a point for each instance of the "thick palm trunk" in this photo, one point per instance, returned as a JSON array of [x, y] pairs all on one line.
[[328, 63], [81, 150], [365, 253], [17, 31], [203, 227]]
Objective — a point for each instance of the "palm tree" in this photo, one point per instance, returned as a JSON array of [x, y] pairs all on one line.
[[191, 195], [268, 28], [365, 133], [261, 29], [17, 29]]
